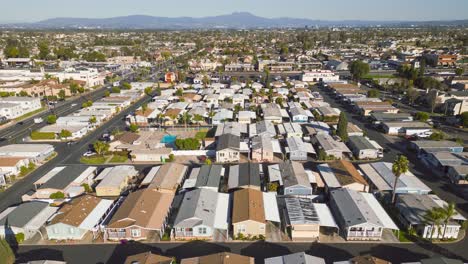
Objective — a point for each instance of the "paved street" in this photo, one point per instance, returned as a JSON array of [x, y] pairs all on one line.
[[112, 253]]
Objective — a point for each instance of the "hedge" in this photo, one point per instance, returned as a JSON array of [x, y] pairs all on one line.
[[36, 135]]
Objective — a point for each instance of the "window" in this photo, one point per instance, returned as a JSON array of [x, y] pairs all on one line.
[[241, 229], [72, 230], [202, 230], [136, 232], [55, 230]]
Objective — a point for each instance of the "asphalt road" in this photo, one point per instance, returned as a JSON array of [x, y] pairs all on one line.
[[116, 253]]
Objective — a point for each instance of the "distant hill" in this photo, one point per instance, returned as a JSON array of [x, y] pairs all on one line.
[[237, 20]]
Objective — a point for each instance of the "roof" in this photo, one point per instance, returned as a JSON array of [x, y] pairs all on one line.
[[244, 174], [329, 144], [381, 175], [209, 176], [293, 173], [301, 211], [219, 258], [79, 209], [146, 208], [114, 176], [60, 179], [21, 148], [295, 258], [353, 208], [198, 206], [147, 258], [361, 142], [270, 205], [248, 205], [367, 259], [413, 124], [228, 141], [297, 144], [169, 176], [340, 173], [22, 214], [10, 161], [433, 145], [414, 207], [127, 137], [441, 260]]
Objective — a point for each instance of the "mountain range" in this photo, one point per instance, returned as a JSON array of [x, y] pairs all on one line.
[[237, 20]]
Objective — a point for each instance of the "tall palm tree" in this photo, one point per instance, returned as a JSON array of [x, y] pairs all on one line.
[[160, 118], [185, 117], [434, 217], [400, 166], [211, 114], [448, 211]]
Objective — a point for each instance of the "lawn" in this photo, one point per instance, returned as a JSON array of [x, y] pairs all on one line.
[[94, 160], [377, 76], [404, 236], [118, 159]]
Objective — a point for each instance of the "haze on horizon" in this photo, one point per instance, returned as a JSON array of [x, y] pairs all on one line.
[[380, 10]]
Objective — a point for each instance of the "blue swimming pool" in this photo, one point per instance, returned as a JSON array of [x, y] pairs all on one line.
[[168, 139]]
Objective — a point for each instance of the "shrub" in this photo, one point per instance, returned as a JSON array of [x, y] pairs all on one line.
[[7, 255], [51, 119], [272, 186], [422, 116], [187, 144], [87, 188], [171, 158], [57, 195], [437, 136], [133, 128], [19, 238]]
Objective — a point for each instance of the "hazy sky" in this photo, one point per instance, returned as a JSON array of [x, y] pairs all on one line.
[[34, 10]]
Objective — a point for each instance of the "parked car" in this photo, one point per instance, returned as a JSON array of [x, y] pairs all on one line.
[[38, 120], [89, 154]]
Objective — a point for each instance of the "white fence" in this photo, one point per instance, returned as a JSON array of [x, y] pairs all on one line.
[[210, 153]]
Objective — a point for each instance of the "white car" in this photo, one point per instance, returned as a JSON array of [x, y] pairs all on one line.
[[89, 154], [38, 120]]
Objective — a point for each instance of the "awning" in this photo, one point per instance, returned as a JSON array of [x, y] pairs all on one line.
[[384, 218], [222, 210], [93, 218], [325, 215], [270, 205]]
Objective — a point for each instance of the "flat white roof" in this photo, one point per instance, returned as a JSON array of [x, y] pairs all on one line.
[[325, 215], [384, 218], [222, 211], [270, 205], [150, 176], [40, 219], [275, 174], [95, 216]]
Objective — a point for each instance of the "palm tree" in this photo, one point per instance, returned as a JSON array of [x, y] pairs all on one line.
[[448, 211], [434, 217], [400, 166], [185, 117], [211, 114], [159, 119], [198, 118]]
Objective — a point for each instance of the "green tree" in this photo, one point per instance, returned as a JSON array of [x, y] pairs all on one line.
[[7, 255], [342, 128], [321, 155], [400, 166], [437, 136], [464, 117], [198, 118], [101, 147], [434, 217], [23, 94], [459, 71], [65, 134], [61, 94], [374, 93], [87, 188], [115, 89], [422, 116], [126, 86], [448, 212], [93, 120], [133, 128], [187, 144], [44, 50], [179, 92], [148, 90], [359, 69], [106, 93], [51, 119]]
